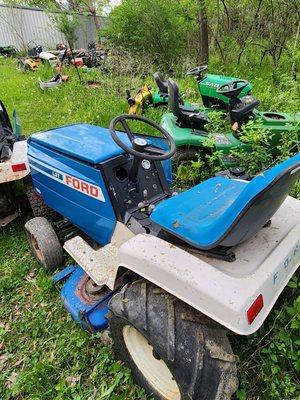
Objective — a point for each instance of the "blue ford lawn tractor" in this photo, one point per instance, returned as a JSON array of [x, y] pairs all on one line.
[[169, 272]]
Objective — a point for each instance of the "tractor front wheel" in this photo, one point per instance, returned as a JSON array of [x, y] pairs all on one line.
[[39, 208], [44, 243], [174, 352]]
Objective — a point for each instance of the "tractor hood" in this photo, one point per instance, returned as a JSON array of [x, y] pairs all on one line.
[[89, 143]]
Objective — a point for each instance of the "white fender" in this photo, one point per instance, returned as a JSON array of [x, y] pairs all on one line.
[[222, 290]]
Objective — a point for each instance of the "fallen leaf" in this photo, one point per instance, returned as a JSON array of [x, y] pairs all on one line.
[[3, 359], [105, 338], [18, 362], [52, 356], [72, 380], [30, 277], [11, 380]]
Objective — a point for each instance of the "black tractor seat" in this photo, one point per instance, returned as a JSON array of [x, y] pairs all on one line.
[[241, 109], [186, 118], [161, 82]]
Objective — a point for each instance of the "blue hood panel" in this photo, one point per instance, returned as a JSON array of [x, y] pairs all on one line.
[[89, 143]]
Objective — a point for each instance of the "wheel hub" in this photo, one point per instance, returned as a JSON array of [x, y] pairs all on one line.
[[154, 369]]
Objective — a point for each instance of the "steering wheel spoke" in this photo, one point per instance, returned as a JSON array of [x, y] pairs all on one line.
[[154, 150], [127, 129], [197, 71]]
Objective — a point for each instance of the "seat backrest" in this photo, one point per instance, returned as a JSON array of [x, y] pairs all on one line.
[[259, 201], [240, 109], [161, 82], [174, 99]]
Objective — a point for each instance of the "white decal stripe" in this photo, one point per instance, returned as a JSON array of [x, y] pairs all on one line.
[[100, 193]]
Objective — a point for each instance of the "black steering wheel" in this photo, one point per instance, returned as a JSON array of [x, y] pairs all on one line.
[[197, 71], [140, 147], [233, 88]]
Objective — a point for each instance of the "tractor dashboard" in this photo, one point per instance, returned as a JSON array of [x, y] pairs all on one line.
[[127, 197]]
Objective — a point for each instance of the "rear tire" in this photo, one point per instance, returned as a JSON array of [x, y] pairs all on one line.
[[39, 208], [196, 359], [185, 154], [44, 243], [6, 207]]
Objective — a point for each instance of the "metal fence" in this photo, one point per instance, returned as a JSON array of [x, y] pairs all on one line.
[[21, 25]]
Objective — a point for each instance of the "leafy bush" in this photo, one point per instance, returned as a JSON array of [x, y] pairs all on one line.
[[155, 27], [270, 358]]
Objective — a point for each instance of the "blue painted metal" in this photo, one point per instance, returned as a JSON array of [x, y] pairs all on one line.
[[49, 169], [92, 144], [55, 159], [89, 143], [203, 214], [64, 274], [90, 315]]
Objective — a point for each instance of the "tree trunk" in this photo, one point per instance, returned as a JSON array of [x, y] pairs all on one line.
[[203, 51], [73, 5]]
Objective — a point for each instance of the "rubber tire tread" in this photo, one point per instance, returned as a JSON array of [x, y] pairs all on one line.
[[184, 154], [194, 347], [39, 208], [48, 242]]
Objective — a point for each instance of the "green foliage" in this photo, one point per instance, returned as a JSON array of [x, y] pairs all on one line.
[[67, 24], [260, 141], [270, 358], [218, 123], [155, 27]]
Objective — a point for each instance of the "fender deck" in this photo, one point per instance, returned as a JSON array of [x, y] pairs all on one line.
[[224, 291]]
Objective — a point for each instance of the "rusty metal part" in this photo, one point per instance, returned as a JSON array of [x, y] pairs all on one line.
[[5, 221]]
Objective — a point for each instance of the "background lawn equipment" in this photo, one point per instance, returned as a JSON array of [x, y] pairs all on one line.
[[8, 51], [140, 101], [57, 79], [13, 166], [146, 97], [207, 85], [92, 57], [36, 56], [175, 270], [188, 126]]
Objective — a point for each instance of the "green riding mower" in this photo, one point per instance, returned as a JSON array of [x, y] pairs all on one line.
[[188, 125], [207, 85], [8, 51]]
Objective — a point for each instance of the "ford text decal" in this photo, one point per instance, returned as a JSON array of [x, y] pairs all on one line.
[[80, 185]]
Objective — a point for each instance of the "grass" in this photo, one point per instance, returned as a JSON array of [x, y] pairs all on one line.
[[43, 354]]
